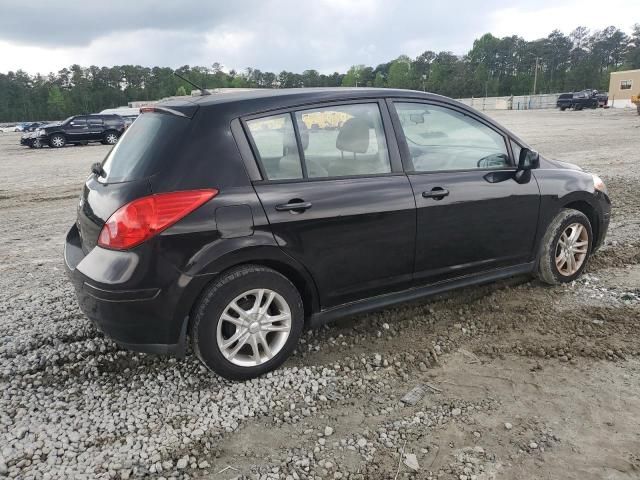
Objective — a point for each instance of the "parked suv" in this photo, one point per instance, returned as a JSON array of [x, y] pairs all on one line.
[[235, 221], [81, 129]]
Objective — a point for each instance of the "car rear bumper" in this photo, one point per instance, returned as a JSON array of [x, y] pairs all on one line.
[[140, 305]]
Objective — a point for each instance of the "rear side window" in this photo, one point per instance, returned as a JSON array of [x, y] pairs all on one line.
[[139, 153], [95, 121], [275, 143], [343, 140]]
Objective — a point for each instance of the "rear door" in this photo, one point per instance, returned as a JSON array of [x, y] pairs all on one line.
[[336, 198], [95, 127], [472, 216]]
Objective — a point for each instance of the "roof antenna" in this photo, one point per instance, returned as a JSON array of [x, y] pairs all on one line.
[[202, 90]]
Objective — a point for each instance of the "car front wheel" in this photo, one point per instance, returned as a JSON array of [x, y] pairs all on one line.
[[57, 141], [247, 322], [111, 138], [565, 248]]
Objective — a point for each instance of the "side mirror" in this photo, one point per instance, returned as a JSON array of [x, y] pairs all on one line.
[[96, 169], [529, 159]]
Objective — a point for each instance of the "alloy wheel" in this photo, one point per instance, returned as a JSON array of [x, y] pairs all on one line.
[[112, 138], [572, 249], [57, 141], [254, 327]]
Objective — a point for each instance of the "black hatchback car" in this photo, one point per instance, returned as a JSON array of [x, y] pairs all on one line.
[[237, 220], [81, 129]]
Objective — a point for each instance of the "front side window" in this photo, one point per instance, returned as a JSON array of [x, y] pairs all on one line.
[[444, 139], [275, 142], [343, 140]]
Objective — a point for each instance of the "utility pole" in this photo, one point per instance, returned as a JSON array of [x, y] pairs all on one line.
[[535, 77]]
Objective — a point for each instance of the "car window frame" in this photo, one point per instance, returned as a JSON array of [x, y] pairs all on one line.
[[407, 160], [95, 119], [393, 150], [81, 118]]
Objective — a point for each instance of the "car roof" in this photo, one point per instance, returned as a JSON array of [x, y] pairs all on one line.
[[252, 101]]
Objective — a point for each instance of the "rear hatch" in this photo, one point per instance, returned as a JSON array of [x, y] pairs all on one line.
[[155, 138]]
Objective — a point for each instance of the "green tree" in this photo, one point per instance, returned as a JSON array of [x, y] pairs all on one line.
[[55, 103], [354, 76], [181, 92]]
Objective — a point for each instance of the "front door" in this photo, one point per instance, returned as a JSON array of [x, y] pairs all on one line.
[[77, 130], [472, 215], [334, 201]]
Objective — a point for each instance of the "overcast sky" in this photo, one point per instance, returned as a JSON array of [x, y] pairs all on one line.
[[275, 35]]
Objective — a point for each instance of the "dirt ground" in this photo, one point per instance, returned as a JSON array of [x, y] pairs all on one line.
[[519, 380]]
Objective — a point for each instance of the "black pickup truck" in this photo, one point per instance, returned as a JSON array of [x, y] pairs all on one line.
[[582, 99]]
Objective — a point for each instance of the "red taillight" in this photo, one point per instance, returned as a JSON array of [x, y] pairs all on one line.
[[145, 217]]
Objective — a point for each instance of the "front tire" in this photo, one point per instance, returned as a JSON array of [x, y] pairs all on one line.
[[565, 248], [247, 322], [57, 141], [110, 138]]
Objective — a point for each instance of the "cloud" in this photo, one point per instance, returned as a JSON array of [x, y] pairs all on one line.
[[273, 35]]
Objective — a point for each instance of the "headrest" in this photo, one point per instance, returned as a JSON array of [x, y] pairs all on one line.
[[304, 134], [290, 144], [353, 136]]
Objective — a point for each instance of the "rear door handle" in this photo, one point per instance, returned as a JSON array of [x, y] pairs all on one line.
[[294, 206], [436, 193]]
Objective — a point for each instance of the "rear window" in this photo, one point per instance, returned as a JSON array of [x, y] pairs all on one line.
[[144, 144]]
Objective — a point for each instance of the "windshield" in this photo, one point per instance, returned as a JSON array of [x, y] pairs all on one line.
[[140, 151]]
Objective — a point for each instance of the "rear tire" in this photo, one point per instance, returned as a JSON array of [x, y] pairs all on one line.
[[562, 259], [562, 109], [247, 322], [57, 141]]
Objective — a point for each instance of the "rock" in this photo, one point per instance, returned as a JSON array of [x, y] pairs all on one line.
[[533, 445], [328, 431], [411, 461], [362, 442], [182, 463], [508, 426], [455, 412]]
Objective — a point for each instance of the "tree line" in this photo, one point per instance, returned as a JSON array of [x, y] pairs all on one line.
[[493, 67]]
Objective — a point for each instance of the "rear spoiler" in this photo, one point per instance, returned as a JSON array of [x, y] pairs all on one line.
[[179, 109]]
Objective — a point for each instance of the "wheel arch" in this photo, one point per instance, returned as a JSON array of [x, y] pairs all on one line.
[[266, 256], [590, 212]]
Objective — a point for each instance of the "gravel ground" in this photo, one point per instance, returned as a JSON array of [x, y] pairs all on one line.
[[511, 380]]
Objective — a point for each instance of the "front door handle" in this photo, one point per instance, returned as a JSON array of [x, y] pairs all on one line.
[[295, 206], [437, 193]]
